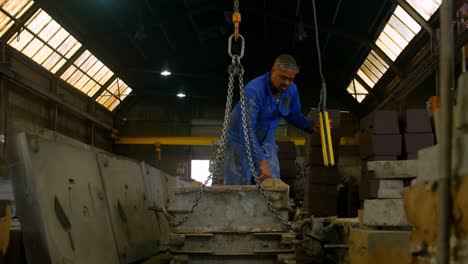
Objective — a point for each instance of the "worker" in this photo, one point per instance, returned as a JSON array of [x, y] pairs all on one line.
[[269, 98]]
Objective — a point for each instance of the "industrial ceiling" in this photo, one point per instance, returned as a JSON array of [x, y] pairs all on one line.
[[361, 42]]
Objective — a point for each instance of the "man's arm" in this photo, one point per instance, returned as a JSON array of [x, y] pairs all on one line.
[[253, 102], [298, 119]]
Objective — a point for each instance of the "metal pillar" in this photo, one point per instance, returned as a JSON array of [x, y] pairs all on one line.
[[446, 69], [3, 117]]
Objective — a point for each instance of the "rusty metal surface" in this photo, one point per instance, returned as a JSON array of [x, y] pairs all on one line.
[[135, 232], [229, 259], [157, 186], [421, 212], [461, 113], [233, 243], [460, 209], [231, 209], [46, 171], [379, 246], [232, 224]]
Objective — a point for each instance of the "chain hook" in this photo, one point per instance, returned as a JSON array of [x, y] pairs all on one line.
[[241, 53]]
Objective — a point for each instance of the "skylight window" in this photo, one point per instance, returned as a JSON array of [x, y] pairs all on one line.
[[87, 74], [399, 31], [426, 8], [372, 69], [356, 89], [45, 41], [114, 94], [10, 11]]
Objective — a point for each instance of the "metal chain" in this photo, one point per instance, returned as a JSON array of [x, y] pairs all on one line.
[[248, 138], [236, 6], [233, 70], [219, 160]]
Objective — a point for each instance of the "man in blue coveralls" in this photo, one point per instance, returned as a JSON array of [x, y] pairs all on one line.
[[269, 98]]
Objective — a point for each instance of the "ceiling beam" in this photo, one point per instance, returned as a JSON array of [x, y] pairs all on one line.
[[19, 23], [192, 21], [162, 28], [104, 87], [335, 15], [416, 16], [384, 56], [128, 35], [291, 21], [5, 70], [70, 61], [365, 85]]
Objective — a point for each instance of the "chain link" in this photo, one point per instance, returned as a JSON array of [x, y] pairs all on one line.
[[219, 159], [235, 69], [236, 6], [248, 138]]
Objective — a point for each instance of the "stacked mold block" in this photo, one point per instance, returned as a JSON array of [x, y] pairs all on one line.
[[418, 132], [287, 162], [421, 199], [380, 141], [232, 224], [321, 183], [384, 230]]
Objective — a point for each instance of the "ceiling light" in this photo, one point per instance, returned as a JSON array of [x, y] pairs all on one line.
[[181, 94], [165, 73]]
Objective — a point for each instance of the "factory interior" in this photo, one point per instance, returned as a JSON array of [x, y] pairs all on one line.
[[234, 132]]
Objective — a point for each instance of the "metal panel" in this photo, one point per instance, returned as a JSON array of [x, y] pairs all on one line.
[[233, 243], [134, 230], [232, 224], [230, 209], [157, 197], [63, 211], [228, 259], [461, 113]]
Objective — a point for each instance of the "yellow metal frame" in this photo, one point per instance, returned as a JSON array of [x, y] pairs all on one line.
[[205, 141], [325, 136], [199, 141]]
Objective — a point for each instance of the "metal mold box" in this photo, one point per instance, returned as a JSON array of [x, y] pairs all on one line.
[[61, 203]]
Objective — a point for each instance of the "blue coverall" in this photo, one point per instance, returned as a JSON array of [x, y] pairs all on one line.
[[265, 113]]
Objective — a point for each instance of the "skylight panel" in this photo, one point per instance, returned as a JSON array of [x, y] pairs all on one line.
[[426, 8], [399, 31], [106, 99], [11, 10], [356, 90], [115, 93], [45, 42], [5, 23], [372, 69], [87, 74], [15, 8], [85, 63]]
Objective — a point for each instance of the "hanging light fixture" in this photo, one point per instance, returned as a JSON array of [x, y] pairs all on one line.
[[165, 71], [181, 94]]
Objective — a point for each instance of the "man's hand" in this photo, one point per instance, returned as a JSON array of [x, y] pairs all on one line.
[[265, 171], [316, 127]]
